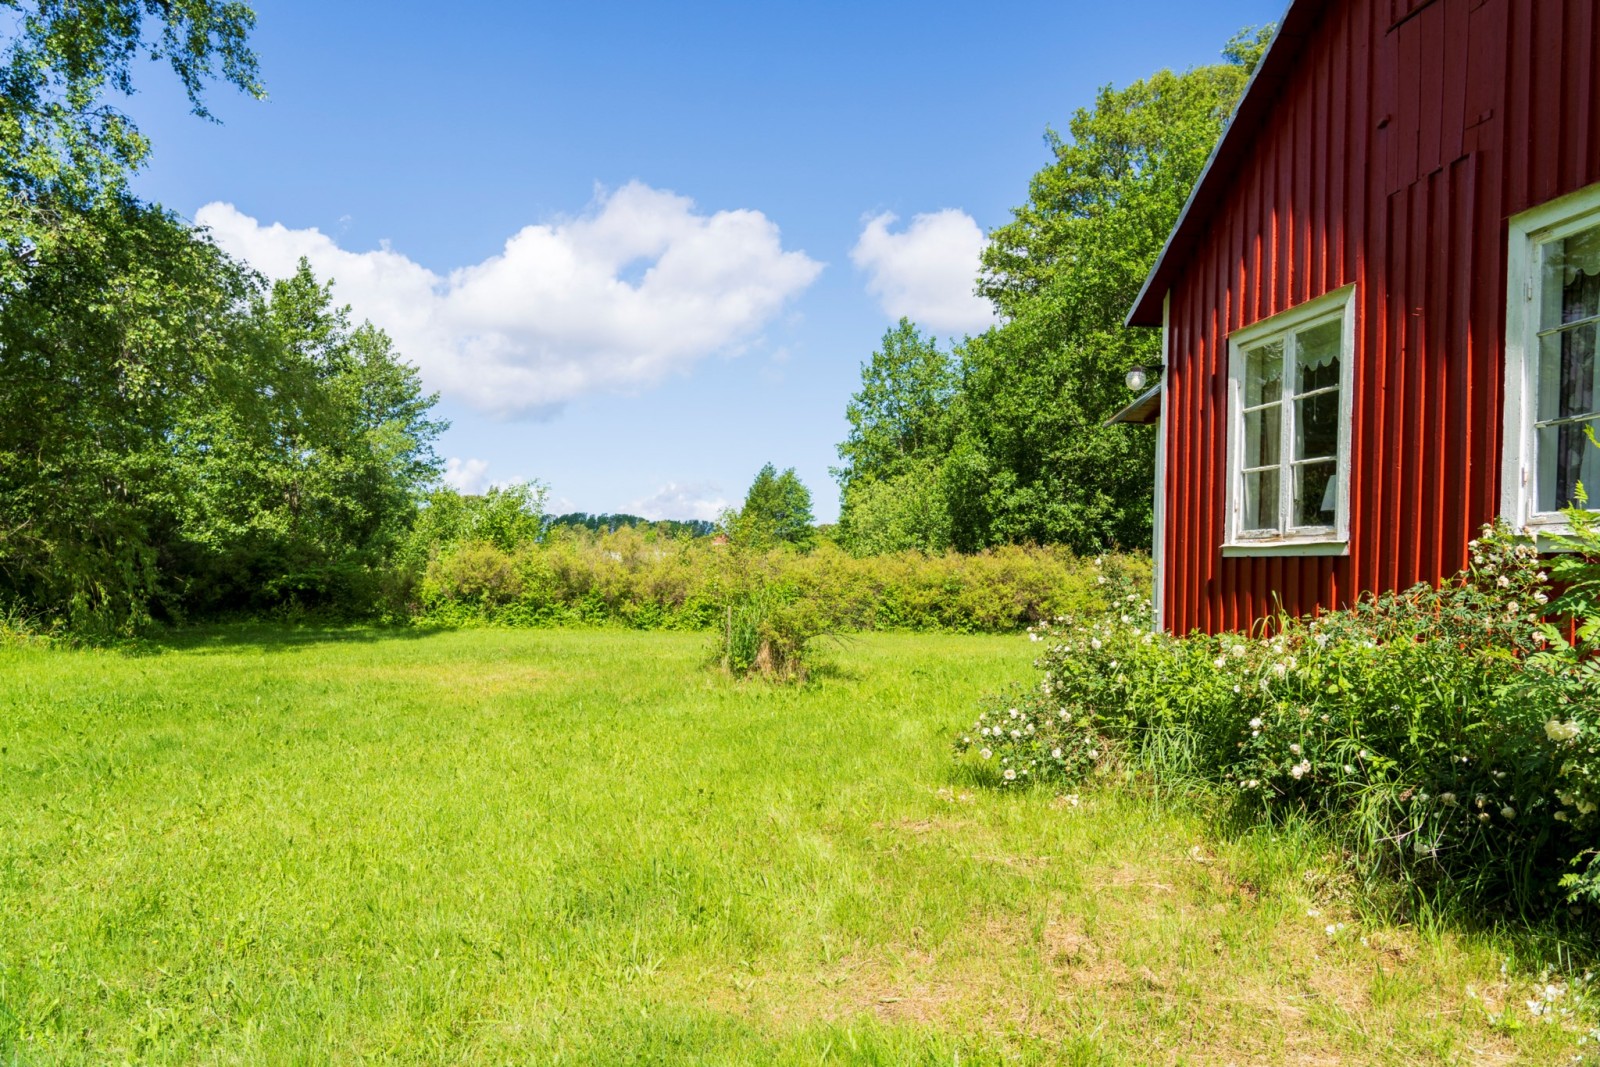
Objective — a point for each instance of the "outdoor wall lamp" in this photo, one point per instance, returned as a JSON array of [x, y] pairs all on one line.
[[1138, 377]]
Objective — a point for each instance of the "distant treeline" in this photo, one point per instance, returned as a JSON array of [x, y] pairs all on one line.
[[613, 523]]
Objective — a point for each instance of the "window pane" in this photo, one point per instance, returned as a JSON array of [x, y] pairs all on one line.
[[1570, 287], [1316, 493], [1317, 355], [1262, 434], [1316, 426], [1260, 502], [1263, 374], [1567, 373], [1566, 457]]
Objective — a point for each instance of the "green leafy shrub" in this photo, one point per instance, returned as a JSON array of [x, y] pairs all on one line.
[[645, 579], [1445, 736]]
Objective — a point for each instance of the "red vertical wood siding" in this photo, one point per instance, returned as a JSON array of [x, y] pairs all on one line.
[[1406, 134]]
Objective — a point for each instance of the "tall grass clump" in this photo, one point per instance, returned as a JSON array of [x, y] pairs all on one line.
[[1444, 737]]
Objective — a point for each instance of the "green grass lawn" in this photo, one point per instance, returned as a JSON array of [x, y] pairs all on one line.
[[268, 846]]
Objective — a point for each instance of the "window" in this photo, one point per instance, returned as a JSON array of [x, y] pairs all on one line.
[[1552, 373], [1289, 439]]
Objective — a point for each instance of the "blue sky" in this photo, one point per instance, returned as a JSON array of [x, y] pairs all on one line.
[[642, 249]]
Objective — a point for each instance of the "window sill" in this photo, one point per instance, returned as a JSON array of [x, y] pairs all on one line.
[[1287, 546]]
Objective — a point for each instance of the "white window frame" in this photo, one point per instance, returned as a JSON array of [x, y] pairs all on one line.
[[1339, 305], [1550, 221]]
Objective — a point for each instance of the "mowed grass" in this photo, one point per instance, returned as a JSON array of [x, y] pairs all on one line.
[[268, 846]]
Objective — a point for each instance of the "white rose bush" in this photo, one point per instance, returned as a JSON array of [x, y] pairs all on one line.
[[1445, 737]]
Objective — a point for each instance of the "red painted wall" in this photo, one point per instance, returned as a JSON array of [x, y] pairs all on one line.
[[1405, 133]]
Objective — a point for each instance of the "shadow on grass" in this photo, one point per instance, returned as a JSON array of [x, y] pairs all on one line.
[[272, 637]]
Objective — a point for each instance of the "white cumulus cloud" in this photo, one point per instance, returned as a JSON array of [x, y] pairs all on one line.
[[685, 500], [926, 272], [466, 475], [640, 286]]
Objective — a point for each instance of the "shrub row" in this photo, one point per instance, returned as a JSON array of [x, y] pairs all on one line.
[[1445, 736], [633, 578]]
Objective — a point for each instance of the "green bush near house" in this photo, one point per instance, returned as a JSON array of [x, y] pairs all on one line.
[[1444, 737]]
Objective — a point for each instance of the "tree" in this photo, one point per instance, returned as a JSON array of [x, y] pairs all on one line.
[[907, 511], [777, 509], [59, 140], [901, 415], [1036, 460], [121, 319], [305, 460]]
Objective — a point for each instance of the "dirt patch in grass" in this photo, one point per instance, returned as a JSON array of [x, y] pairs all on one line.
[[1151, 955]]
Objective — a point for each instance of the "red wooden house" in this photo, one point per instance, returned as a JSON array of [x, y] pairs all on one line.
[[1379, 307]]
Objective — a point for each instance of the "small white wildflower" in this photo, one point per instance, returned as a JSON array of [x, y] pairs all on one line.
[[1503, 582], [1509, 812], [1558, 731], [1056, 753], [1483, 816], [1348, 769], [1251, 784], [1010, 774], [1219, 663], [1447, 799], [1094, 643], [1299, 769], [1094, 753], [1255, 724], [985, 753], [1294, 750]]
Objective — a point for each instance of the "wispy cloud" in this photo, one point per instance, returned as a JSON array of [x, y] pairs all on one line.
[[640, 286], [926, 272]]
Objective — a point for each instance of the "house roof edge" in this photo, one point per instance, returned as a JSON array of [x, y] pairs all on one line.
[[1255, 102]]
